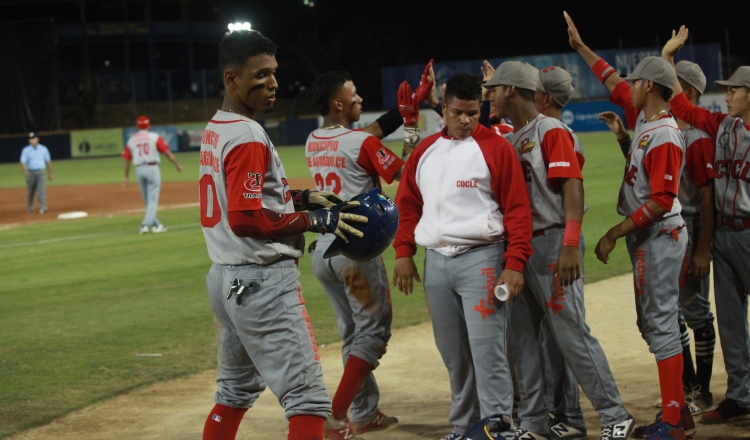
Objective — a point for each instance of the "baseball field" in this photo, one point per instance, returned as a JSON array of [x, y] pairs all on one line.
[[108, 334]]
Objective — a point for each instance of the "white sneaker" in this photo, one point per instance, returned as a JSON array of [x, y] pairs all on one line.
[[157, 229], [143, 230]]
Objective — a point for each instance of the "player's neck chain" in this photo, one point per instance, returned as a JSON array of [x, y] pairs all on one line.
[[663, 112], [530, 119], [331, 127]]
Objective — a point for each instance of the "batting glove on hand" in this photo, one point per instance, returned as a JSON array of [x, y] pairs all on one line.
[[425, 84], [319, 199], [334, 220], [408, 105]]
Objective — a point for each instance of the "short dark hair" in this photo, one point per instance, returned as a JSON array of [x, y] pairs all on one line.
[[686, 86], [325, 87], [464, 86], [525, 94], [237, 46], [665, 92]]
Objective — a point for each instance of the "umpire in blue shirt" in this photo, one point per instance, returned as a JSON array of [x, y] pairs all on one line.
[[34, 159]]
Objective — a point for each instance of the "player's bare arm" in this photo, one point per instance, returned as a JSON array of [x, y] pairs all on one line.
[[404, 273], [24, 170], [607, 243], [126, 181], [513, 280], [487, 72], [569, 260], [49, 171], [669, 50], [700, 264], [591, 58], [618, 128], [173, 159]]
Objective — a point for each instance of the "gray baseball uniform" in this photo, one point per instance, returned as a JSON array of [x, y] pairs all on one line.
[[264, 336], [547, 151], [143, 150], [731, 241], [348, 163]]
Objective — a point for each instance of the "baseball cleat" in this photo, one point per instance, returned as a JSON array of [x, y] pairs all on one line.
[[379, 422], [618, 431], [143, 230], [665, 431], [686, 420], [699, 402], [157, 229], [42, 211], [561, 430], [338, 429], [727, 410], [524, 434]]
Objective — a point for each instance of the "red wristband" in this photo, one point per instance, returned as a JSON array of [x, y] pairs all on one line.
[[602, 70], [643, 217], [572, 233]]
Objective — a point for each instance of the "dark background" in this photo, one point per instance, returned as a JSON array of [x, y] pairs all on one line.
[[355, 35]]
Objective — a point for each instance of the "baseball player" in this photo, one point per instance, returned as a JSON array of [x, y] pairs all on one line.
[[254, 224], [348, 163], [731, 239], [462, 197], [143, 150], [655, 232], [697, 199], [34, 159], [552, 163]]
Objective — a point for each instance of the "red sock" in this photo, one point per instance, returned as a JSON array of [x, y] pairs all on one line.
[[355, 373], [306, 428], [672, 394], [222, 423]]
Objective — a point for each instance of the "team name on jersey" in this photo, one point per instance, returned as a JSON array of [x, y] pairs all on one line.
[[210, 137], [631, 172], [208, 159], [733, 168], [467, 184], [323, 146], [326, 161]]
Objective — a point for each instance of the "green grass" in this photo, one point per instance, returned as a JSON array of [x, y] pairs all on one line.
[[80, 298]]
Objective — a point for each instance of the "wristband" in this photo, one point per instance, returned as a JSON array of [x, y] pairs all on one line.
[[602, 70], [390, 121], [572, 233], [643, 217], [411, 135]]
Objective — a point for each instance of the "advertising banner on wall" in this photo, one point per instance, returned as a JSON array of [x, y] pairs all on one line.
[[90, 143]]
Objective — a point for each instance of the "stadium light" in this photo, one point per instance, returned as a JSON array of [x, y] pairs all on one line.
[[239, 26]]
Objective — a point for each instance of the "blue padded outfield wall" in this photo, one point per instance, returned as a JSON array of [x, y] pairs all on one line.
[[708, 56]]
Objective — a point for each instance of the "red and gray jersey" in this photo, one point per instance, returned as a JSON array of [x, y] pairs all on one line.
[[144, 147], [348, 162], [240, 170], [653, 166], [731, 155], [699, 164], [549, 151]]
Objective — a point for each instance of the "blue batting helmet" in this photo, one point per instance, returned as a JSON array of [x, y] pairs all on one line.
[[490, 428], [379, 231]]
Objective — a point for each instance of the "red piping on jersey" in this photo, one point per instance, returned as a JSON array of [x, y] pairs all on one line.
[[331, 137], [660, 126], [530, 128], [213, 121]]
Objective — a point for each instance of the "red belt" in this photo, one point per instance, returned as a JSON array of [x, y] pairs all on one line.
[[735, 224]]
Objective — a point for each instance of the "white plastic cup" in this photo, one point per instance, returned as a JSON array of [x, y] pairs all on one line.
[[501, 292]]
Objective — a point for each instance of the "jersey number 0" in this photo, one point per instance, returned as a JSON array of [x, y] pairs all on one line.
[[210, 210]]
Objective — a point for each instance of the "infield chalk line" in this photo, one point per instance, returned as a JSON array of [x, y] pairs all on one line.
[[89, 236]]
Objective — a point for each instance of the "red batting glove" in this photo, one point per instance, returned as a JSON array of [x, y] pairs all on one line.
[[425, 84], [408, 105]]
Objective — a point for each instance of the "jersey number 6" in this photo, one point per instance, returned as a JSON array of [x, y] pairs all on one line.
[[210, 210], [332, 182]]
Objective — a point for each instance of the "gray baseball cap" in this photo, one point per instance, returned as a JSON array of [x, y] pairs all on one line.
[[655, 69], [513, 73], [692, 74], [740, 78], [556, 82]]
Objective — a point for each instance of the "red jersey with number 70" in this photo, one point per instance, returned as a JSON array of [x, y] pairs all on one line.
[[348, 162], [240, 170]]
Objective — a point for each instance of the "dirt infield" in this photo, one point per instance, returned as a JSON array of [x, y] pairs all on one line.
[[413, 382]]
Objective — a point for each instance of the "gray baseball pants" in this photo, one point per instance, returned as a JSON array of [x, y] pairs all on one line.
[[265, 340], [731, 253], [361, 299], [563, 398], [563, 307], [36, 183], [695, 304], [149, 180], [471, 328]]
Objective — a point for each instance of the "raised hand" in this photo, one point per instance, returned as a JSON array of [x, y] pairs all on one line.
[[487, 71], [408, 105], [574, 38], [675, 44], [614, 123], [425, 83]]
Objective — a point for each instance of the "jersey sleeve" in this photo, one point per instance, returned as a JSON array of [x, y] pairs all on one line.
[[560, 155], [126, 153], [376, 159], [694, 115], [245, 169], [620, 96], [162, 146], [662, 164], [47, 157], [24, 156], [409, 202], [699, 161]]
